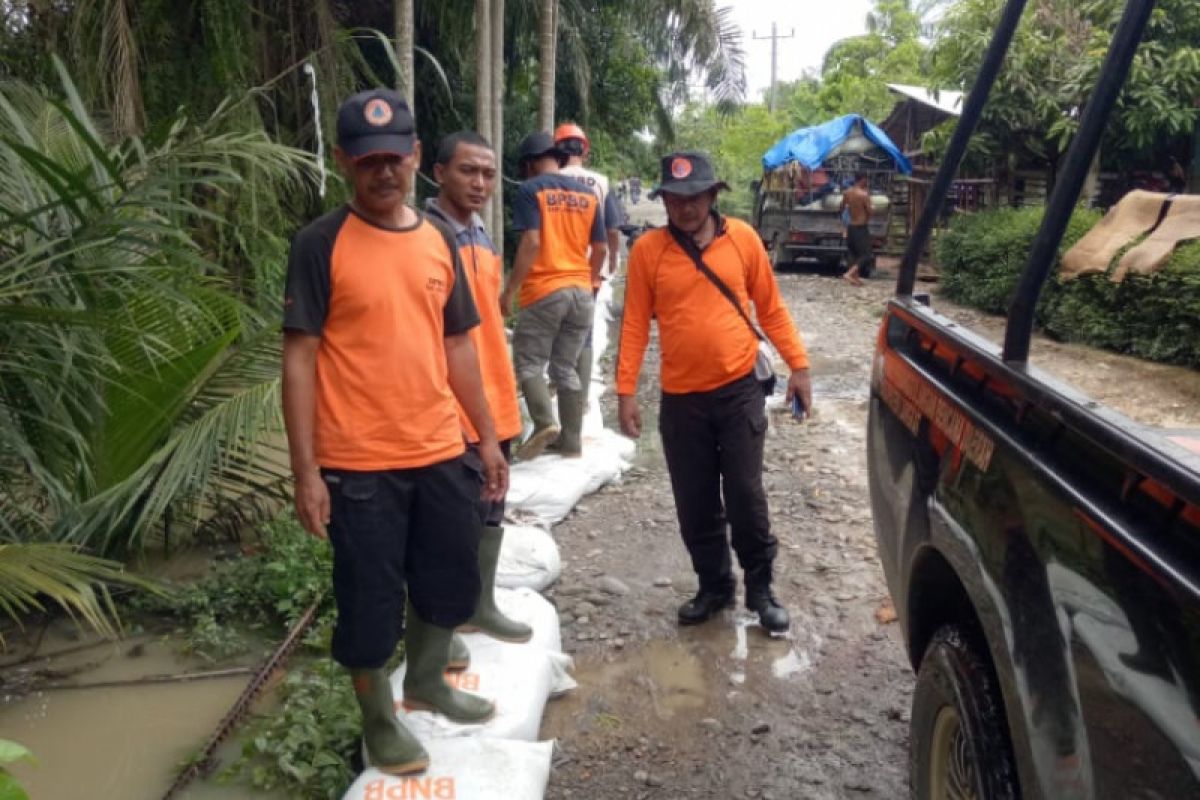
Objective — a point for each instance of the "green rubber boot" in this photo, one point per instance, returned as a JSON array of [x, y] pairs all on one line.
[[570, 411], [584, 368], [460, 655], [488, 618], [390, 746], [545, 428], [426, 649]]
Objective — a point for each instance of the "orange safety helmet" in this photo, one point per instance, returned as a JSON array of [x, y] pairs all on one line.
[[569, 130]]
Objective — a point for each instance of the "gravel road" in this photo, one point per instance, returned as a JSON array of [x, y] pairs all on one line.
[[721, 710]]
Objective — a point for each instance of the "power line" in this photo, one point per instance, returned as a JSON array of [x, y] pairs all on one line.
[[774, 37]]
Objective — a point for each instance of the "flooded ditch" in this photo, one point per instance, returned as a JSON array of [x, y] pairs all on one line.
[[109, 741]]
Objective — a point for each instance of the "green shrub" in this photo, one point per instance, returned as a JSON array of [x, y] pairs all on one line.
[[1157, 317], [306, 746], [265, 592], [981, 256]]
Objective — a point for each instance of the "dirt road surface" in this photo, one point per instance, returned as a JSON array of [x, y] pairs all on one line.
[[721, 710]]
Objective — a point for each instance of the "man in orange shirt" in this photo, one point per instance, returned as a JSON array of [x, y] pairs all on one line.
[[465, 170], [377, 360], [712, 417], [558, 219]]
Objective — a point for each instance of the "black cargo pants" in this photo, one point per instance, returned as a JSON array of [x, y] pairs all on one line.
[[713, 442]]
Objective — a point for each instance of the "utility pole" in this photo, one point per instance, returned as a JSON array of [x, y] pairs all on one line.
[[774, 37]]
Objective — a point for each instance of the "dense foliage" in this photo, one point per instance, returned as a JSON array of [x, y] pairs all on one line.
[[853, 79], [261, 593], [1157, 317], [1033, 110], [139, 294]]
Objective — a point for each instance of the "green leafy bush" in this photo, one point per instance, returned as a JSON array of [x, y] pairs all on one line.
[[265, 591], [11, 753], [1157, 317], [305, 747], [981, 256]]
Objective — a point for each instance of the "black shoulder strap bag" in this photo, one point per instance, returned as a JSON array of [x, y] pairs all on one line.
[[764, 369]]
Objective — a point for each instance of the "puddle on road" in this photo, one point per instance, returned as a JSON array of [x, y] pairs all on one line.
[[115, 742], [677, 676], [796, 662], [669, 684]]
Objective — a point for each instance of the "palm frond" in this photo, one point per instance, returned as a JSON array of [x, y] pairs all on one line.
[[136, 381], [31, 574]]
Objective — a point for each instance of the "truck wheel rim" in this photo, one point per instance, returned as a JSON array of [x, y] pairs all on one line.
[[951, 771]]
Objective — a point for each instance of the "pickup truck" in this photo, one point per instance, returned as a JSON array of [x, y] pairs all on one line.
[[1042, 551], [812, 231], [797, 202]]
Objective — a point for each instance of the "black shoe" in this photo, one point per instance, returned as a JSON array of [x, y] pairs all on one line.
[[772, 616], [703, 606]]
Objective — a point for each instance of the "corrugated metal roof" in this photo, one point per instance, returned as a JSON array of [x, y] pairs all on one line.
[[944, 100]]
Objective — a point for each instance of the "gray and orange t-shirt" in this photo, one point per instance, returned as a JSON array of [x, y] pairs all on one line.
[[705, 343], [381, 300], [484, 269], [570, 219]]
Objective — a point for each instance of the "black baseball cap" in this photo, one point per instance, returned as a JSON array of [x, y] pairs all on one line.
[[687, 173], [375, 121], [538, 144]]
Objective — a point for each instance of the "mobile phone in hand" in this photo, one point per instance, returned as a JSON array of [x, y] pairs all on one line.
[[798, 411]]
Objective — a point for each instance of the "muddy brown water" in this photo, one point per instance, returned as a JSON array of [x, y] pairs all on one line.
[[118, 743], [115, 742]]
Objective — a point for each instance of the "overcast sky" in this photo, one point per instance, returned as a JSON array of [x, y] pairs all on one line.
[[817, 24]]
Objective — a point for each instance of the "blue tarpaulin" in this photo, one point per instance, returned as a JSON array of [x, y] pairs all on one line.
[[810, 146]]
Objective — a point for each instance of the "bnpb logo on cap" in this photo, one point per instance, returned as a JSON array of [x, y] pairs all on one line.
[[681, 168], [377, 112]]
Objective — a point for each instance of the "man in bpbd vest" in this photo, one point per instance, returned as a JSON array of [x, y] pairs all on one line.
[[559, 258], [712, 418], [572, 140], [377, 361]]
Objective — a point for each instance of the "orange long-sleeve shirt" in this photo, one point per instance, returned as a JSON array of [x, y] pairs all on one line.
[[705, 342]]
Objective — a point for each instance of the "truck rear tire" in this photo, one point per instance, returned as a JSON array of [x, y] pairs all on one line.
[[779, 257], [960, 746]]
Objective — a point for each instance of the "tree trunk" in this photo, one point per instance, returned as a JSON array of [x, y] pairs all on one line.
[[121, 57], [404, 55], [404, 49], [497, 75], [547, 39], [483, 79], [1091, 183]]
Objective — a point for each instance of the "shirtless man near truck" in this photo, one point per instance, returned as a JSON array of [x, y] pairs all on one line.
[[857, 235]]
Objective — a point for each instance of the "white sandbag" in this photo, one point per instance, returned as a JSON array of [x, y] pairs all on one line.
[[528, 558], [519, 682], [466, 769], [524, 605], [602, 321], [545, 489]]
